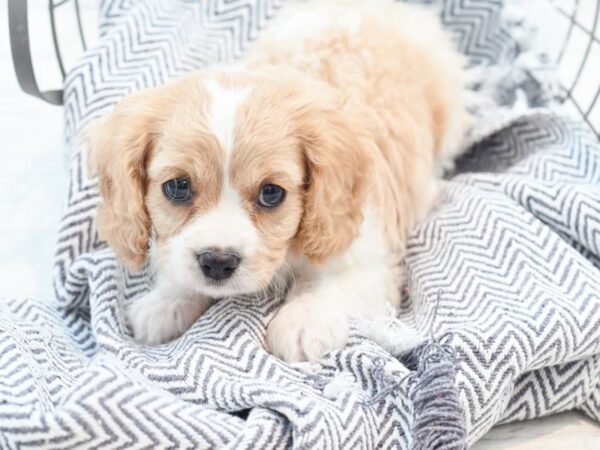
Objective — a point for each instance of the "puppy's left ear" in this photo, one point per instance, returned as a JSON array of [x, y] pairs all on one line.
[[336, 150]]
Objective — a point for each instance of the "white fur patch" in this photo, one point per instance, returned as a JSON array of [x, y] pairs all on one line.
[[301, 23], [221, 116], [227, 225], [165, 313], [361, 276], [360, 283]]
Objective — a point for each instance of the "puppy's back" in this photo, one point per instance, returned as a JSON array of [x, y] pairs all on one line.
[[391, 56]]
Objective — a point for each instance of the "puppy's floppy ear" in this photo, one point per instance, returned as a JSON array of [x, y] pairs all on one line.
[[120, 145], [337, 161]]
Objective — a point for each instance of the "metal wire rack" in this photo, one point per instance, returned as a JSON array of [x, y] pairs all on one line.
[[578, 59], [21, 47]]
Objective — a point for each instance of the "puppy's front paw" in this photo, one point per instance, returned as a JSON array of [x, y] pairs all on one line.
[[301, 331], [157, 318]]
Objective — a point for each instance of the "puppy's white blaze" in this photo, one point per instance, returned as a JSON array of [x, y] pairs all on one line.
[[221, 115], [228, 225]]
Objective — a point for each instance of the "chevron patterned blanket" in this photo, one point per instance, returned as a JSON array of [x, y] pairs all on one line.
[[502, 279]]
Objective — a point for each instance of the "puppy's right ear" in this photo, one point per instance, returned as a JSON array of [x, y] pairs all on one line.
[[120, 145]]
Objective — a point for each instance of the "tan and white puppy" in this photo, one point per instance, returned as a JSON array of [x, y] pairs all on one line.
[[310, 163]]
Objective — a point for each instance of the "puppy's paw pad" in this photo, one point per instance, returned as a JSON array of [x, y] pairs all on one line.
[[303, 332]]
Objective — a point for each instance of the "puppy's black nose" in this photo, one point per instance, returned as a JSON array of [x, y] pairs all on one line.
[[218, 265]]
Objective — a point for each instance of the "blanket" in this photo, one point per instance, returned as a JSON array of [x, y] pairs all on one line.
[[502, 278]]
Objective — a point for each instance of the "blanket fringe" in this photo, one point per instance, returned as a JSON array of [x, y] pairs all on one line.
[[439, 421]]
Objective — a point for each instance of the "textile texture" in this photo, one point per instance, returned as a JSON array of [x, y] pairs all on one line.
[[502, 278]]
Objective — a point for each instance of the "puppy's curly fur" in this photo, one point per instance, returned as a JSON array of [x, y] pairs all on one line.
[[352, 108]]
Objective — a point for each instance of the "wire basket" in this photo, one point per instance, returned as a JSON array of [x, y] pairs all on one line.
[[21, 45], [578, 58]]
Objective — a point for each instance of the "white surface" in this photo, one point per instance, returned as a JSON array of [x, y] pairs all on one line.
[[33, 185], [32, 178], [567, 431]]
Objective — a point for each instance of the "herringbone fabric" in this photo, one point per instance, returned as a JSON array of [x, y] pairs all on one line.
[[503, 280]]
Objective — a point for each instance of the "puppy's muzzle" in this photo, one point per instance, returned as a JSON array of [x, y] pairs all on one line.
[[218, 265]]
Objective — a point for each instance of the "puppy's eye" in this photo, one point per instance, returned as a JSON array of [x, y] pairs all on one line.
[[178, 190], [271, 195]]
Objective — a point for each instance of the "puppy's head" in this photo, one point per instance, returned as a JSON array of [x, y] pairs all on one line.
[[224, 174]]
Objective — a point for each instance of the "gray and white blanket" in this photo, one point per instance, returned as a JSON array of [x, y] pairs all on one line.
[[502, 278]]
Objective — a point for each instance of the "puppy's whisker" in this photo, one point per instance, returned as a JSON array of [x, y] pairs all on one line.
[[279, 286], [289, 273], [280, 282]]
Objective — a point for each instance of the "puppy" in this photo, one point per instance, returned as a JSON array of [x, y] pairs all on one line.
[[310, 163]]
